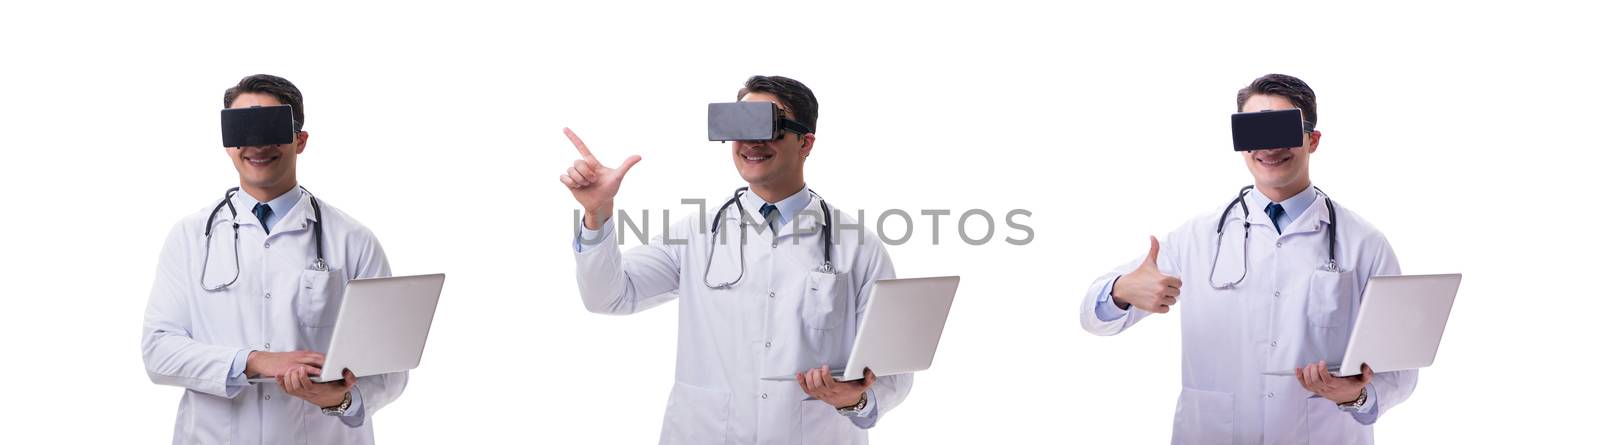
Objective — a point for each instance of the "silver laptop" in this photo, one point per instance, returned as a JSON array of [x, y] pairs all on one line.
[[383, 324], [1401, 321], [901, 328]]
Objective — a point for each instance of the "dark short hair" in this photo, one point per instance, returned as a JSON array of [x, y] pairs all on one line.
[[792, 94], [1289, 87], [272, 85]]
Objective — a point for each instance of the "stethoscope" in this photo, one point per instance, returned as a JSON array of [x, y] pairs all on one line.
[[227, 201], [827, 238], [1333, 236]]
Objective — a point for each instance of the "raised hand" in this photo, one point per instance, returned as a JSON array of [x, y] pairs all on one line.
[[1146, 287], [594, 185]]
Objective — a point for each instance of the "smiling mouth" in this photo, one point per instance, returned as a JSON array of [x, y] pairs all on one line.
[[1272, 158], [261, 159], [753, 158]]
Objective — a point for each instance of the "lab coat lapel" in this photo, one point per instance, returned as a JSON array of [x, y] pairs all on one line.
[[299, 218], [1312, 220], [243, 206], [1258, 209], [755, 223]]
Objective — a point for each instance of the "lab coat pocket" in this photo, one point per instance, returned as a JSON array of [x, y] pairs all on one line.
[[696, 415], [316, 303], [1330, 297], [824, 304], [1204, 417]]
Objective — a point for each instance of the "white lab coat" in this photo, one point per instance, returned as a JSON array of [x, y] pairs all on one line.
[[279, 303], [782, 317], [1287, 313]]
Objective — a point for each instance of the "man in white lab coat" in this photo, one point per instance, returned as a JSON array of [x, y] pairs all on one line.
[[257, 301], [754, 300], [1266, 302]]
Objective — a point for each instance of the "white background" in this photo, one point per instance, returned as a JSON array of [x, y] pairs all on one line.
[[1465, 133]]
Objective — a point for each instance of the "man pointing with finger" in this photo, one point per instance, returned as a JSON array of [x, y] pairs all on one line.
[[1269, 282], [760, 292]]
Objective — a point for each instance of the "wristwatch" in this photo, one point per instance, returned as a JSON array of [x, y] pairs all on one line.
[[338, 410], [854, 410], [1355, 405]]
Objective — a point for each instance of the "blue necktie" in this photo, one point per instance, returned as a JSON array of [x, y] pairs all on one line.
[[262, 210], [1275, 211], [770, 213]]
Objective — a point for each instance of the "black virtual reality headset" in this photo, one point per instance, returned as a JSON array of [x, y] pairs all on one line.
[[749, 121], [258, 126], [1265, 130]]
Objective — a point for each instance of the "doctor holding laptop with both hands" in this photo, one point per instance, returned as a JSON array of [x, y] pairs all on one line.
[[774, 283], [1270, 281], [249, 286]]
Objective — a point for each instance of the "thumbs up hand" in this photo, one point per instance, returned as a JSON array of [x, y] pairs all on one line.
[[1146, 287], [594, 185]]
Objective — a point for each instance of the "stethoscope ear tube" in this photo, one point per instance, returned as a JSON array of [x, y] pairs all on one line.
[[321, 263], [827, 235], [1333, 233], [227, 200]]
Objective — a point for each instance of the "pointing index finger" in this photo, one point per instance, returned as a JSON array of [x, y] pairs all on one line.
[[576, 142]]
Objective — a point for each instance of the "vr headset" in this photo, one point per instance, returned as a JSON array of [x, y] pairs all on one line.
[[1265, 130], [258, 126], [749, 121]]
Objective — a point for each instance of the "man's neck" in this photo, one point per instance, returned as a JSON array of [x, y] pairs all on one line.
[[1281, 194], [774, 193], [268, 194]]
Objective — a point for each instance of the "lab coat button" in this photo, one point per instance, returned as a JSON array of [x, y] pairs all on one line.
[[266, 245], [269, 295], [1280, 243], [269, 396], [769, 344], [1269, 395], [772, 295], [1274, 343], [763, 396], [1275, 294]]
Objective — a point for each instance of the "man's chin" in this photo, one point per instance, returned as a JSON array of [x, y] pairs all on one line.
[[260, 182], [1275, 182], [751, 177]]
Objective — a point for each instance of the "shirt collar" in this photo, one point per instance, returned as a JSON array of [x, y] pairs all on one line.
[[1292, 207], [281, 205], [787, 207]]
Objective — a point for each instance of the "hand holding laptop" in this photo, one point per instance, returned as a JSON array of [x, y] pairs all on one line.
[[822, 384], [297, 382], [1398, 327], [273, 364], [1318, 380], [382, 327]]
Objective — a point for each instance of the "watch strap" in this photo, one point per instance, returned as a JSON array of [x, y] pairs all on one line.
[[341, 408]]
